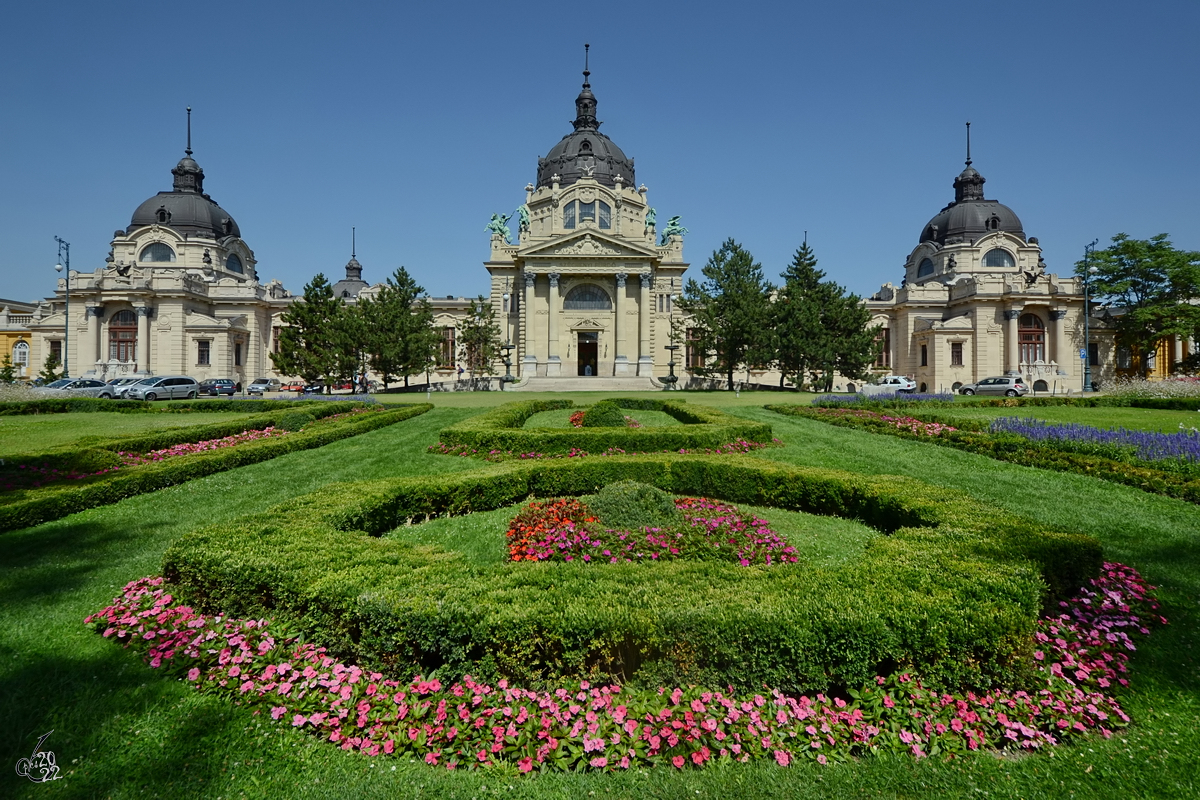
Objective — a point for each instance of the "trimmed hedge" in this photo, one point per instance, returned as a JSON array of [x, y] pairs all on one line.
[[84, 405], [605, 414], [952, 594], [974, 437], [703, 427], [35, 506]]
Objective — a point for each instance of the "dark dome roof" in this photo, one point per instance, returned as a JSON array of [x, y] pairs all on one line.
[[586, 151], [970, 216], [353, 283], [186, 208]]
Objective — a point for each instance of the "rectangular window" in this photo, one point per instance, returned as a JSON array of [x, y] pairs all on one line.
[[56, 349], [275, 339], [884, 360], [1124, 358], [605, 215], [694, 355], [956, 354], [924, 355], [569, 215], [1094, 353], [237, 354], [446, 352], [203, 348]]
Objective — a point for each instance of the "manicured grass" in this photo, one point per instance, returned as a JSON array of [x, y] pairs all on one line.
[[28, 432], [561, 418], [1146, 419], [483, 400], [819, 541], [123, 730]]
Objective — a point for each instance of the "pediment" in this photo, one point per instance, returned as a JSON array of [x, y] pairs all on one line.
[[587, 244]]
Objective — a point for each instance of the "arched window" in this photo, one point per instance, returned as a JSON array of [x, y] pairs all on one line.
[[157, 252], [999, 258], [122, 337], [233, 263], [587, 297], [1032, 334], [925, 268], [569, 215], [585, 146], [20, 356], [605, 214], [163, 216]]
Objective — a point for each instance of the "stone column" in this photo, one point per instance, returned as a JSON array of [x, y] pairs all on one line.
[[1012, 353], [621, 359], [645, 361], [1177, 354], [1062, 353], [528, 358], [89, 350], [143, 340], [553, 360]]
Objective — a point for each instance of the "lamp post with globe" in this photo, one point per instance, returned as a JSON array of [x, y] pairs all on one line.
[[64, 257]]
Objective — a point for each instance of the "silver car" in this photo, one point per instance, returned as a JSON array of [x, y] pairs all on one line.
[[121, 385], [1009, 387], [261, 386], [163, 387], [78, 387]]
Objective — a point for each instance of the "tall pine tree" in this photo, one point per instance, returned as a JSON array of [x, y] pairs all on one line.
[[730, 313], [399, 334], [311, 340], [479, 337]]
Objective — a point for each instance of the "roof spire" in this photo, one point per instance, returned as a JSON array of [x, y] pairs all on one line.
[[585, 104], [352, 242], [586, 72], [968, 144], [969, 183], [189, 126], [188, 175]]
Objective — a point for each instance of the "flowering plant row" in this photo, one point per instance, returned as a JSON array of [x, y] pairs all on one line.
[[1080, 655], [879, 418], [836, 400], [565, 530], [1181, 446], [740, 446]]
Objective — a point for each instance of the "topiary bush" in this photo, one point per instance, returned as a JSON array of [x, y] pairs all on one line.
[[605, 414], [630, 505]]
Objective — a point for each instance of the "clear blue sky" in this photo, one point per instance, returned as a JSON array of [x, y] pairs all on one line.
[[756, 121]]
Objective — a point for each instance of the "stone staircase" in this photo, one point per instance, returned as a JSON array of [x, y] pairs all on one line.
[[593, 384]]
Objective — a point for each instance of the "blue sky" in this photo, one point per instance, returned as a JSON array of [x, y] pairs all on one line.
[[756, 121]]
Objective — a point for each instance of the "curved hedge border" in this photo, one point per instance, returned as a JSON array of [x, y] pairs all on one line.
[[501, 429], [974, 437], [952, 594], [35, 506]]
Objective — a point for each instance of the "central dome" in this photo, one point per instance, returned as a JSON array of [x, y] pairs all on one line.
[[970, 216], [586, 152], [186, 208]]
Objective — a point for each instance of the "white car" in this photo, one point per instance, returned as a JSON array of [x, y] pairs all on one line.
[[889, 384]]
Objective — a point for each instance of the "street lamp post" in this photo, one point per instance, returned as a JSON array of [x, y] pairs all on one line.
[[1088, 272], [672, 379], [508, 346], [64, 257]]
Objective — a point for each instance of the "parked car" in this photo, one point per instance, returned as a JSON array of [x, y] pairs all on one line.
[[218, 386], [121, 385], [314, 388], [890, 383], [81, 387], [1009, 387], [261, 386], [292, 386], [164, 387]]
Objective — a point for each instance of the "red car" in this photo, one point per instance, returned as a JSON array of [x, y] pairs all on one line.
[[294, 386]]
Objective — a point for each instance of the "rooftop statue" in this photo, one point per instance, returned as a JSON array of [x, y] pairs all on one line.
[[651, 219], [523, 219], [499, 227], [673, 229]]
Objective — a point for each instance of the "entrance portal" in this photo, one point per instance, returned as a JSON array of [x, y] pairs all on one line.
[[588, 348]]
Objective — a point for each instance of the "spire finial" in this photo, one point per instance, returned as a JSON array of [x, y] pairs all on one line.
[[586, 73], [189, 126], [353, 243], [968, 144]]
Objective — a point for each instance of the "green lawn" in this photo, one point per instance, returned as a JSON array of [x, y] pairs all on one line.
[[122, 730], [28, 432], [819, 541]]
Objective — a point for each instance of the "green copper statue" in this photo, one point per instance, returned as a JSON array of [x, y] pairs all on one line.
[[499, 227], [651, 219], [523, 219], [673, 229]]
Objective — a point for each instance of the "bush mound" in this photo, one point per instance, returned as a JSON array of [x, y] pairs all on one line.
[[295, 420], [952, 594], [630, 505], [501, 430], [605, 414]]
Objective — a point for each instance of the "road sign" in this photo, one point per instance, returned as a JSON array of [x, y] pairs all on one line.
[[1082, 354]]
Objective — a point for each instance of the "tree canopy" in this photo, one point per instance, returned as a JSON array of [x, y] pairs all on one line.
[[479, 337], [730, 313], [1150, 290], [313, 339], [397, 328]]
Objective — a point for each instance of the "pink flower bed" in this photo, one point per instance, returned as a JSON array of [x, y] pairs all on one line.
[[467, 724], [563, 530], [911, 424], [189, 448], [739, 446]]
